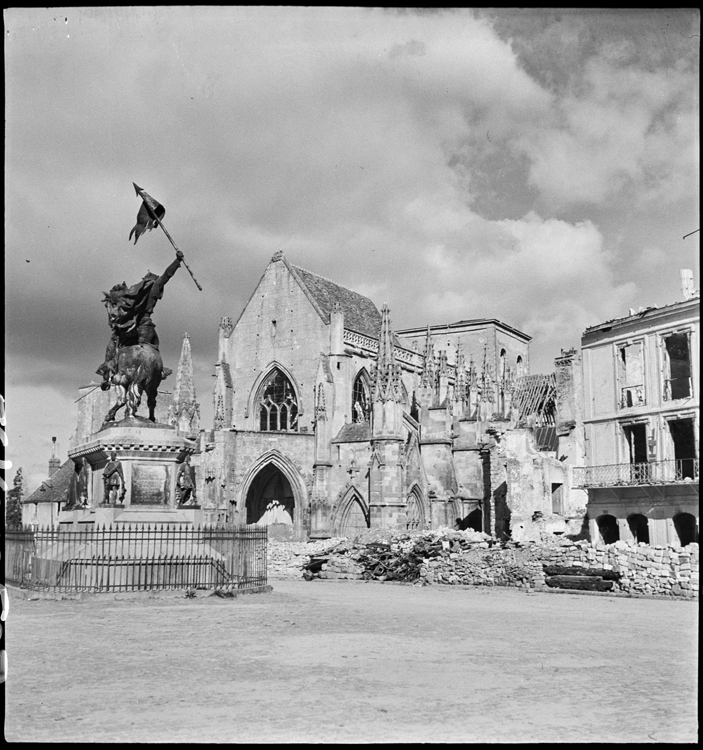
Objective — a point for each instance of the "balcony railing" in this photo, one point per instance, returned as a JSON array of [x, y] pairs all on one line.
[[674, 471]]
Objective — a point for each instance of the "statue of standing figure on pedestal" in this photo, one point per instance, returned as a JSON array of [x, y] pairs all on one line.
[[185, 484], [113, 481], [78, 486]]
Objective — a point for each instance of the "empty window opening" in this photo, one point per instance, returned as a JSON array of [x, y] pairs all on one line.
[[686, 528], [636, 435], [557, 498], [415, 409], [608, 528], [639, 527], [520, 367], [684, 439], [631, 375], [677, 379], [361, 402], [278, 405], [473, 521]]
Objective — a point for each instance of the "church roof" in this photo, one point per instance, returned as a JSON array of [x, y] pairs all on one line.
[[354, 432], [54, 489], [360, 313]]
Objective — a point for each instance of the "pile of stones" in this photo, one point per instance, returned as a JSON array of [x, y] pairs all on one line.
[[447, 556], [642, 569], [287, 559]]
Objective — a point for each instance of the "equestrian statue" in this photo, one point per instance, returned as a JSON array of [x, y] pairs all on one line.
[[132, 359]]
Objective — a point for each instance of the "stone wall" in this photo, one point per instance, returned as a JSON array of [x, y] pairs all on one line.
[[644, 570], [666, 570]]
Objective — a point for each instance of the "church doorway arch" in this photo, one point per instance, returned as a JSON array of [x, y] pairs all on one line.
[[353, 517], [273, 494], [270, 500]]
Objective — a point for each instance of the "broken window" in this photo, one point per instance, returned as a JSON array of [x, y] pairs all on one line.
[[278, 404], [684, 439], [557, 498], [361, 403], [677, 377], [631, 375], [636, 436]]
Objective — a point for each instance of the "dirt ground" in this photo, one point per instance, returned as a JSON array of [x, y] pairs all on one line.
[[345, 661]]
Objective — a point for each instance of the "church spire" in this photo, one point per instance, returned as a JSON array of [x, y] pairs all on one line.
[[460, 379], [386, 384], [184, 412], [428, 377]]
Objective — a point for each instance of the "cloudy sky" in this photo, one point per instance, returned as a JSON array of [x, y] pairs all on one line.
[[540, 167]]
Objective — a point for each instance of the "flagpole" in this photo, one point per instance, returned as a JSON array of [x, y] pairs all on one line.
[[170, 239], [87, 394]]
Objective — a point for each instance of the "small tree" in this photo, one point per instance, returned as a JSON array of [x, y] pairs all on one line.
[[13, 510]]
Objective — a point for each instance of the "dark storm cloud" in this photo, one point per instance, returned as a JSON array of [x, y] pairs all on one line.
[[415, 157]]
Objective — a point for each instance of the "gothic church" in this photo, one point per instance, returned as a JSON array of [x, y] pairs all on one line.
[[328, 422]]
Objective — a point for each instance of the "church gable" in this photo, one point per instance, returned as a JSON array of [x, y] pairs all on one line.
[[279, 327]]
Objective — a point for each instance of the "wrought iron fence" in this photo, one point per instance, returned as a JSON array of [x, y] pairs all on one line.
[[136, 558], [680, 470]]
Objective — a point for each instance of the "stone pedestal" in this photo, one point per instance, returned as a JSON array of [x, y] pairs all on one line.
[[150, 455]]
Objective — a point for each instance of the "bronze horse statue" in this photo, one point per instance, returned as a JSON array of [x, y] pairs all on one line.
[[132, 359], [139, 370]]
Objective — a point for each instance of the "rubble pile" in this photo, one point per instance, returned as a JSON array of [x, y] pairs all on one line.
[[287, 559], [446, 556]]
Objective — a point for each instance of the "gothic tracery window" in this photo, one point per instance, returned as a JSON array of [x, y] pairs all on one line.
[[361, 403], [278, 407]]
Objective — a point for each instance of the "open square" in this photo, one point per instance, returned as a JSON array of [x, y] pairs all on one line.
[[343, 662]]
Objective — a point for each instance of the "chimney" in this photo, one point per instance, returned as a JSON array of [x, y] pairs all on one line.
[[687, 288], [54, 461]]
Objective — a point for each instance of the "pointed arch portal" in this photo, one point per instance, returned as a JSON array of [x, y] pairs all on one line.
[[270, 500], [415, 512], [353, 518]]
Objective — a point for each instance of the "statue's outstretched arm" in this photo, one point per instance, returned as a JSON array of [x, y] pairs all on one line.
[[168, 273]]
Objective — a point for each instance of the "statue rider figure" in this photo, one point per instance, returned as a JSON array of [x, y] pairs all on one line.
[[129, 314]]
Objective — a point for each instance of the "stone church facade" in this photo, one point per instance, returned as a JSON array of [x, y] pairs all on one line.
[[328, 422]]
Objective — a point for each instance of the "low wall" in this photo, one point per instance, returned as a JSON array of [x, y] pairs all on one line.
[[645, 570], [666, 570]]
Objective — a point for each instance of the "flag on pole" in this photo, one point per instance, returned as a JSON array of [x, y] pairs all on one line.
[[147, 211]]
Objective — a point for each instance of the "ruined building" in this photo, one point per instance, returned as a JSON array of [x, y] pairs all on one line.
[[328, 422], [641, 419]]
